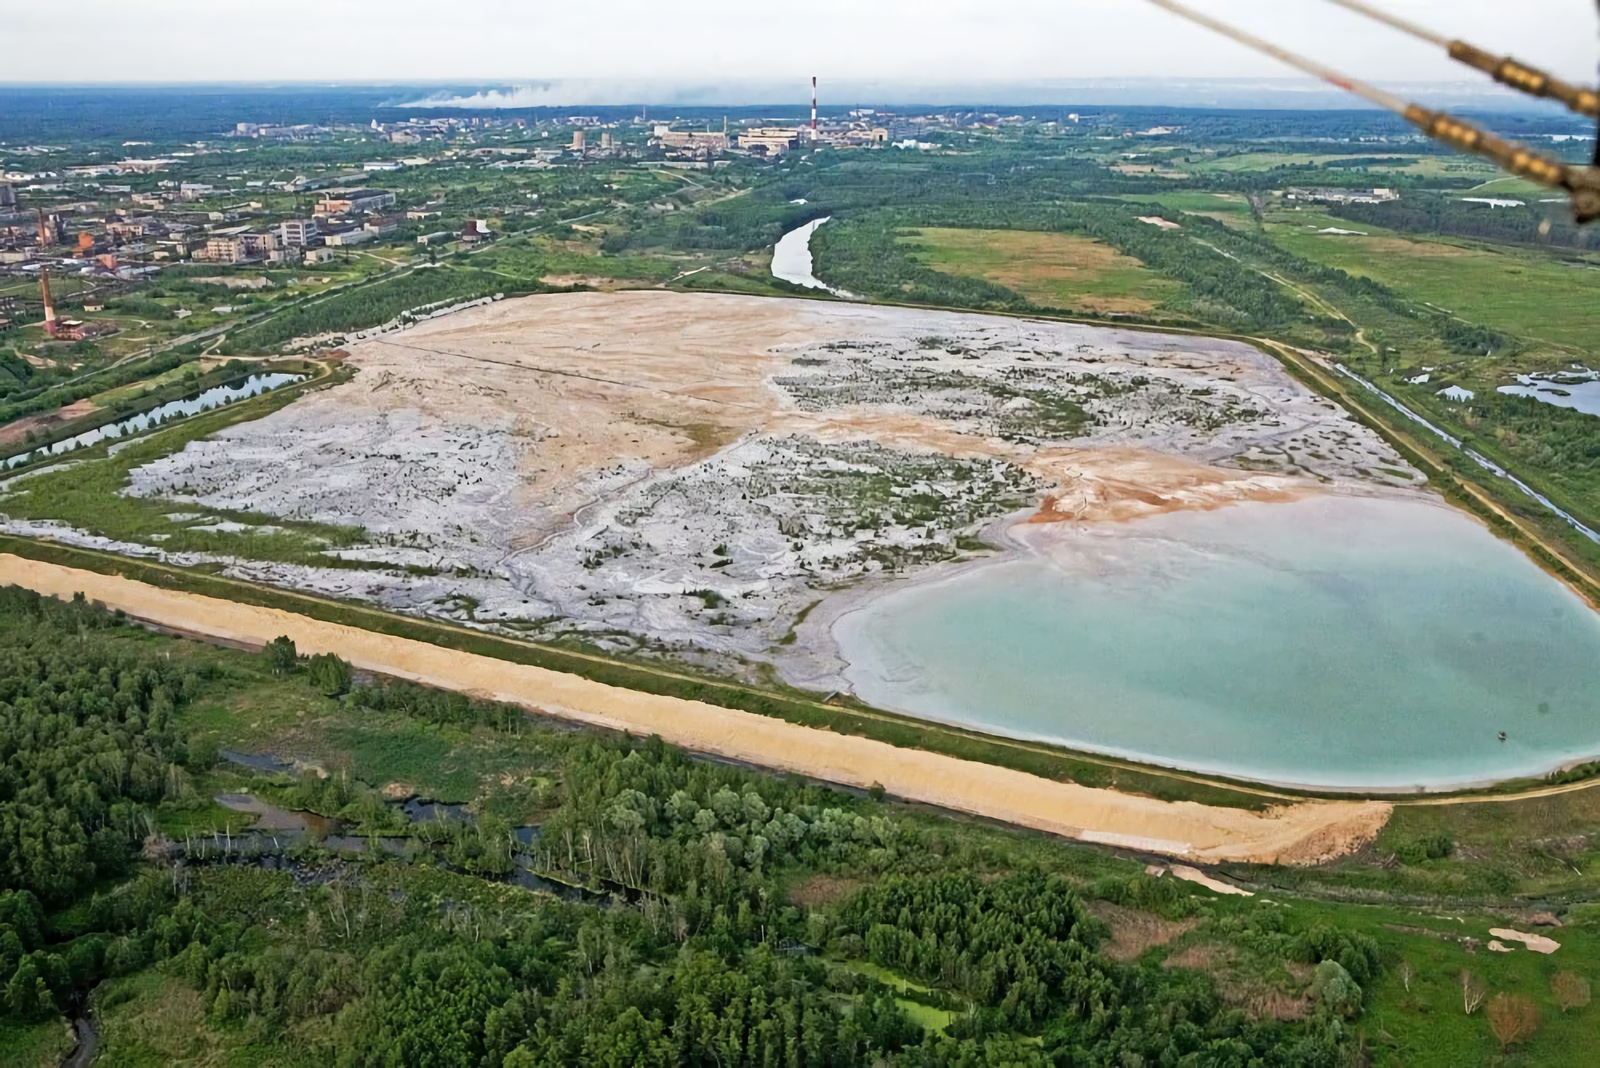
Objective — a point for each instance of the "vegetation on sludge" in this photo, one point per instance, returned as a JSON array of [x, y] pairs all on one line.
[[713, 916], [86, 489]]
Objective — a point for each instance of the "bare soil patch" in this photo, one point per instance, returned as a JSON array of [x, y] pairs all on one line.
[[1258, 998], [816, 890], [1062, 270], [45, 421], [1133, 931]]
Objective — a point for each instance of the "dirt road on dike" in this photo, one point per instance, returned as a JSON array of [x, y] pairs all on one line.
[[1307, 832]]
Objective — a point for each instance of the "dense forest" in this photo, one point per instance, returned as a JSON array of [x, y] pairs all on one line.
[[1528, 224], [675, 937]]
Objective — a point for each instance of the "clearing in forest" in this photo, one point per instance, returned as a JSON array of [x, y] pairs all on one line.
[[1056, 270]]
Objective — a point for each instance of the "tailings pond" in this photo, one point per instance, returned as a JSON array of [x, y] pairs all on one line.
[[1334, 642]]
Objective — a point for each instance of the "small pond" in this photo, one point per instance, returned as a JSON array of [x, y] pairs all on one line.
[[215, 397]]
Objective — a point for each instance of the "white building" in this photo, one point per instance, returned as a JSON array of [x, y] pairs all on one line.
[[341, 238], [298, 233]]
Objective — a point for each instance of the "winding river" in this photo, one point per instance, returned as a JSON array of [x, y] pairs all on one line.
[[791, 259]]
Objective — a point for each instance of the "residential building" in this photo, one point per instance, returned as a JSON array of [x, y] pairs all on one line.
[[237, 248]]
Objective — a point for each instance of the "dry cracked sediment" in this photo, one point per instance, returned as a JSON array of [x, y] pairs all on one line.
[[697, 469]]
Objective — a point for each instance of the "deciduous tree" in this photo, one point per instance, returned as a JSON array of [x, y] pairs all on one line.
[[1512, 1018], [1570, 991]]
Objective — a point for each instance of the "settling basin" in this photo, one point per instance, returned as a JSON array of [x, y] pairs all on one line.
[[1336, 642]]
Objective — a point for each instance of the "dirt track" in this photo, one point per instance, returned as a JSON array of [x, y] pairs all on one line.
[[1303, 833]]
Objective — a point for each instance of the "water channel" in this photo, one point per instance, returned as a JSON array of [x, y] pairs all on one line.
[[1475, 456], [791, 259], [215, 397]]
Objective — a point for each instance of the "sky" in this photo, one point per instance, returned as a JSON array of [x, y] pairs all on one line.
[[634, 46]]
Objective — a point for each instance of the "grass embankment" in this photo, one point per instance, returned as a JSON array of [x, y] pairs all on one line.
[[85, 491], [846, 717]]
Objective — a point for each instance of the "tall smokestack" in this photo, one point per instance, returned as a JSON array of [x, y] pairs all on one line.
[[44, 231], [813, 107], [49, 306]]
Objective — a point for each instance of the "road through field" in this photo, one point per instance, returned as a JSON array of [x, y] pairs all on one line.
[[1302, 833]]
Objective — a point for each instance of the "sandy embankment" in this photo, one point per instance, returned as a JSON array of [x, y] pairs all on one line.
[[1303, 833]]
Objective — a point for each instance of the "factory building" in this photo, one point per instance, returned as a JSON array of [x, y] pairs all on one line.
[[691, 140], [354, 202], [772, 140], [298, 233]]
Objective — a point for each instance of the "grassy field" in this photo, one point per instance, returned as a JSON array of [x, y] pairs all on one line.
[[1521, 292], [1056, 270], [42, 1045], [1510, 188]]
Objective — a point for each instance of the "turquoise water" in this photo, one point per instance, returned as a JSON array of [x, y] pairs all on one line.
[[1338, 642]]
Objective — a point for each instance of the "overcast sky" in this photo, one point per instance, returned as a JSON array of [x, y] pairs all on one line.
[[925, 42]]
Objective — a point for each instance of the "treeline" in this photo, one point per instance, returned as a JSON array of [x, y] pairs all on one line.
[[15, 373], [1022, 949], [87, 734], [1562, 444], [368, 306], [689, 947], [51, 398], [1531, 224]]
